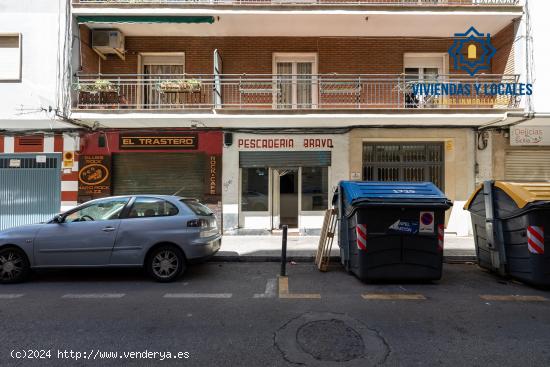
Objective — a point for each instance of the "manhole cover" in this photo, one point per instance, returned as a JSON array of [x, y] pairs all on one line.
[[326, 339], [330, 340]]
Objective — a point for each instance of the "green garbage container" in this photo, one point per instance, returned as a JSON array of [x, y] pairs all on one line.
[[511, 223]]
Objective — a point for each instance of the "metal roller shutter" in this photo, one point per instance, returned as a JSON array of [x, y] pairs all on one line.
[[159, 173], [30, 191], [527, 164], [284, 159]]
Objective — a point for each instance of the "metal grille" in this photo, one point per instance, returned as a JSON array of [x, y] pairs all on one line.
[[404, 162]]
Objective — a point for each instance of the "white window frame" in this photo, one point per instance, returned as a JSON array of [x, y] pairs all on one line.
[[294, 58], [18, 77], [422, 60], [168, 60]]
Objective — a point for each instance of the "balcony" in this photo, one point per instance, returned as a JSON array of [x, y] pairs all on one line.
[[290, 93], [305, 3]]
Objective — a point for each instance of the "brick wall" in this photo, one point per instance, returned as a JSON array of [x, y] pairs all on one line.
[[90, 59], [503, 41]]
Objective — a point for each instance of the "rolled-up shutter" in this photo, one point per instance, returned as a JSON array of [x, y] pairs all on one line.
[[159, 173], [527, 164], [285, 159]]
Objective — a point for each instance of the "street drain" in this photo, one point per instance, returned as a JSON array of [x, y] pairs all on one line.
[[330, 340]]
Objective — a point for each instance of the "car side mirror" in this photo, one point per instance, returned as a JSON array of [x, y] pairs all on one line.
[[58, 219]]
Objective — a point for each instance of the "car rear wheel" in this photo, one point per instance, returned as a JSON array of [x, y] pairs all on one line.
[[14, 265], [166, 263]]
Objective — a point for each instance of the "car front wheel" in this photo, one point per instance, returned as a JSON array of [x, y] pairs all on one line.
[[166, 263], [14, 265]]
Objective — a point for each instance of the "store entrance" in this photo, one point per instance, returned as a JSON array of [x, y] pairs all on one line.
[[288, 197]]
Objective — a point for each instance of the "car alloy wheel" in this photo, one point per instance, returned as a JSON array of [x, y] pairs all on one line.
[[166, 263], [14, 266]]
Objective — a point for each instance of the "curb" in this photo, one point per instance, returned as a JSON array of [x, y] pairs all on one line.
[[452, 259]]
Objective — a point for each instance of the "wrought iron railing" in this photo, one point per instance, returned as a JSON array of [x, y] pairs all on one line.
[[289, 92], [307, 2]]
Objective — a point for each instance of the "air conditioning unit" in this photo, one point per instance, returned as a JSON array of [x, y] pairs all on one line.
[[108, 41]]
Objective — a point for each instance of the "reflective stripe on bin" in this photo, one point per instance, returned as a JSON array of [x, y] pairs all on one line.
[[361, 230], [440, 236], [535, 239]]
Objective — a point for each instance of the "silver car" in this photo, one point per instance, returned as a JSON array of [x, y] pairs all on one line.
[[161, 233]]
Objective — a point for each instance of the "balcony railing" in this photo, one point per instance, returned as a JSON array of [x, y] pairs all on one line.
[[290, 92], [305, 2]]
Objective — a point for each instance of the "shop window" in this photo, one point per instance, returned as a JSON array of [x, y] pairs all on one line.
[[10, 57], [152, 207], [314, 188], [107, 209], [255, 194]]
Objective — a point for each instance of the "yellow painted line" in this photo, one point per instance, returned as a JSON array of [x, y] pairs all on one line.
[[507, 298], [285, 293], [393, 296]]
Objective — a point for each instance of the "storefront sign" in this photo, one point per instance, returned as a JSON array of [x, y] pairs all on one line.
[[276, 143], [94, 176], [157, 141], [529, 135], [213, 177]]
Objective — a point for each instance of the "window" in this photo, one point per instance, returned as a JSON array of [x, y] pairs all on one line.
[[152, 207], [314, 188], [295, 80], [197, 207], [102, 210], [10, 57], [157, 68], [255, 186], [423, 68]]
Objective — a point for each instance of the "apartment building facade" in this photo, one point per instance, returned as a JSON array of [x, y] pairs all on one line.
[[260, 107]]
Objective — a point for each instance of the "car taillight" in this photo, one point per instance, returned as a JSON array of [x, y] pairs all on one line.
[[197, 223]]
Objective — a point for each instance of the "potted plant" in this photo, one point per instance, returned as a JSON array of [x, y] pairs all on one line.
[[98, 86], [179, 85]]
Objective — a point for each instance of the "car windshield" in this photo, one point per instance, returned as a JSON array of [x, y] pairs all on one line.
[[197, 207]]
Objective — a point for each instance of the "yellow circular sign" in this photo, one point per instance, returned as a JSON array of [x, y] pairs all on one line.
[[93, 174]]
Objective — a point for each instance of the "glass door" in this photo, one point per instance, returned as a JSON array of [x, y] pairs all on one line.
[[295, 85]]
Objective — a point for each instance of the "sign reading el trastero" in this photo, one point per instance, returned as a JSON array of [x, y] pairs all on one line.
[[158, 141]]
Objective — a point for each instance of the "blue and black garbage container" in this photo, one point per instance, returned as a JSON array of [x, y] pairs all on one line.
[[391, 230], [511, 221]]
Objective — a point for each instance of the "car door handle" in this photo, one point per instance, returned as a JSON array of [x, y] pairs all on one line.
[[108, 229]]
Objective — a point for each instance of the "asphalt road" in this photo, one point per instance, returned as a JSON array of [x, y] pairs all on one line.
[[241, 314]]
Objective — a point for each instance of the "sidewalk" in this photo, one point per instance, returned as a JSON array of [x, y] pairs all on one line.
[[303, 248]]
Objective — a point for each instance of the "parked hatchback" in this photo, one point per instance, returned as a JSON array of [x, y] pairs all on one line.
[[161, 233]]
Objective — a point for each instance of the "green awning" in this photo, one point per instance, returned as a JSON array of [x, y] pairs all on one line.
[[143, 19]]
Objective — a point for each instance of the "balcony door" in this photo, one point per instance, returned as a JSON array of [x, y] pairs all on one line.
[[295, 80], [158, 67], [423, 68]]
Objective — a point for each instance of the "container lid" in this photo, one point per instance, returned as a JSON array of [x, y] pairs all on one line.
[[522, 193], [359, 192]]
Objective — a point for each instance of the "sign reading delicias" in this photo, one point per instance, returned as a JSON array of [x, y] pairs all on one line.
[[94, 176], [158, 141]]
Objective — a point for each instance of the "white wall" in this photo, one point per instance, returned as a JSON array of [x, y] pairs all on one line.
[[539, 11], [41, 24]]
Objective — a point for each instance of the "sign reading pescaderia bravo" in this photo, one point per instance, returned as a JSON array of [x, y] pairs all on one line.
[[278, 143], [94, 176], [158, 141], [530, 135]]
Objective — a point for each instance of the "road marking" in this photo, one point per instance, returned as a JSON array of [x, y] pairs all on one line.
[[393, 296], [10, 296], [198, 295], [94, 295], [270, 289], [285, 293], [505, 298]]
